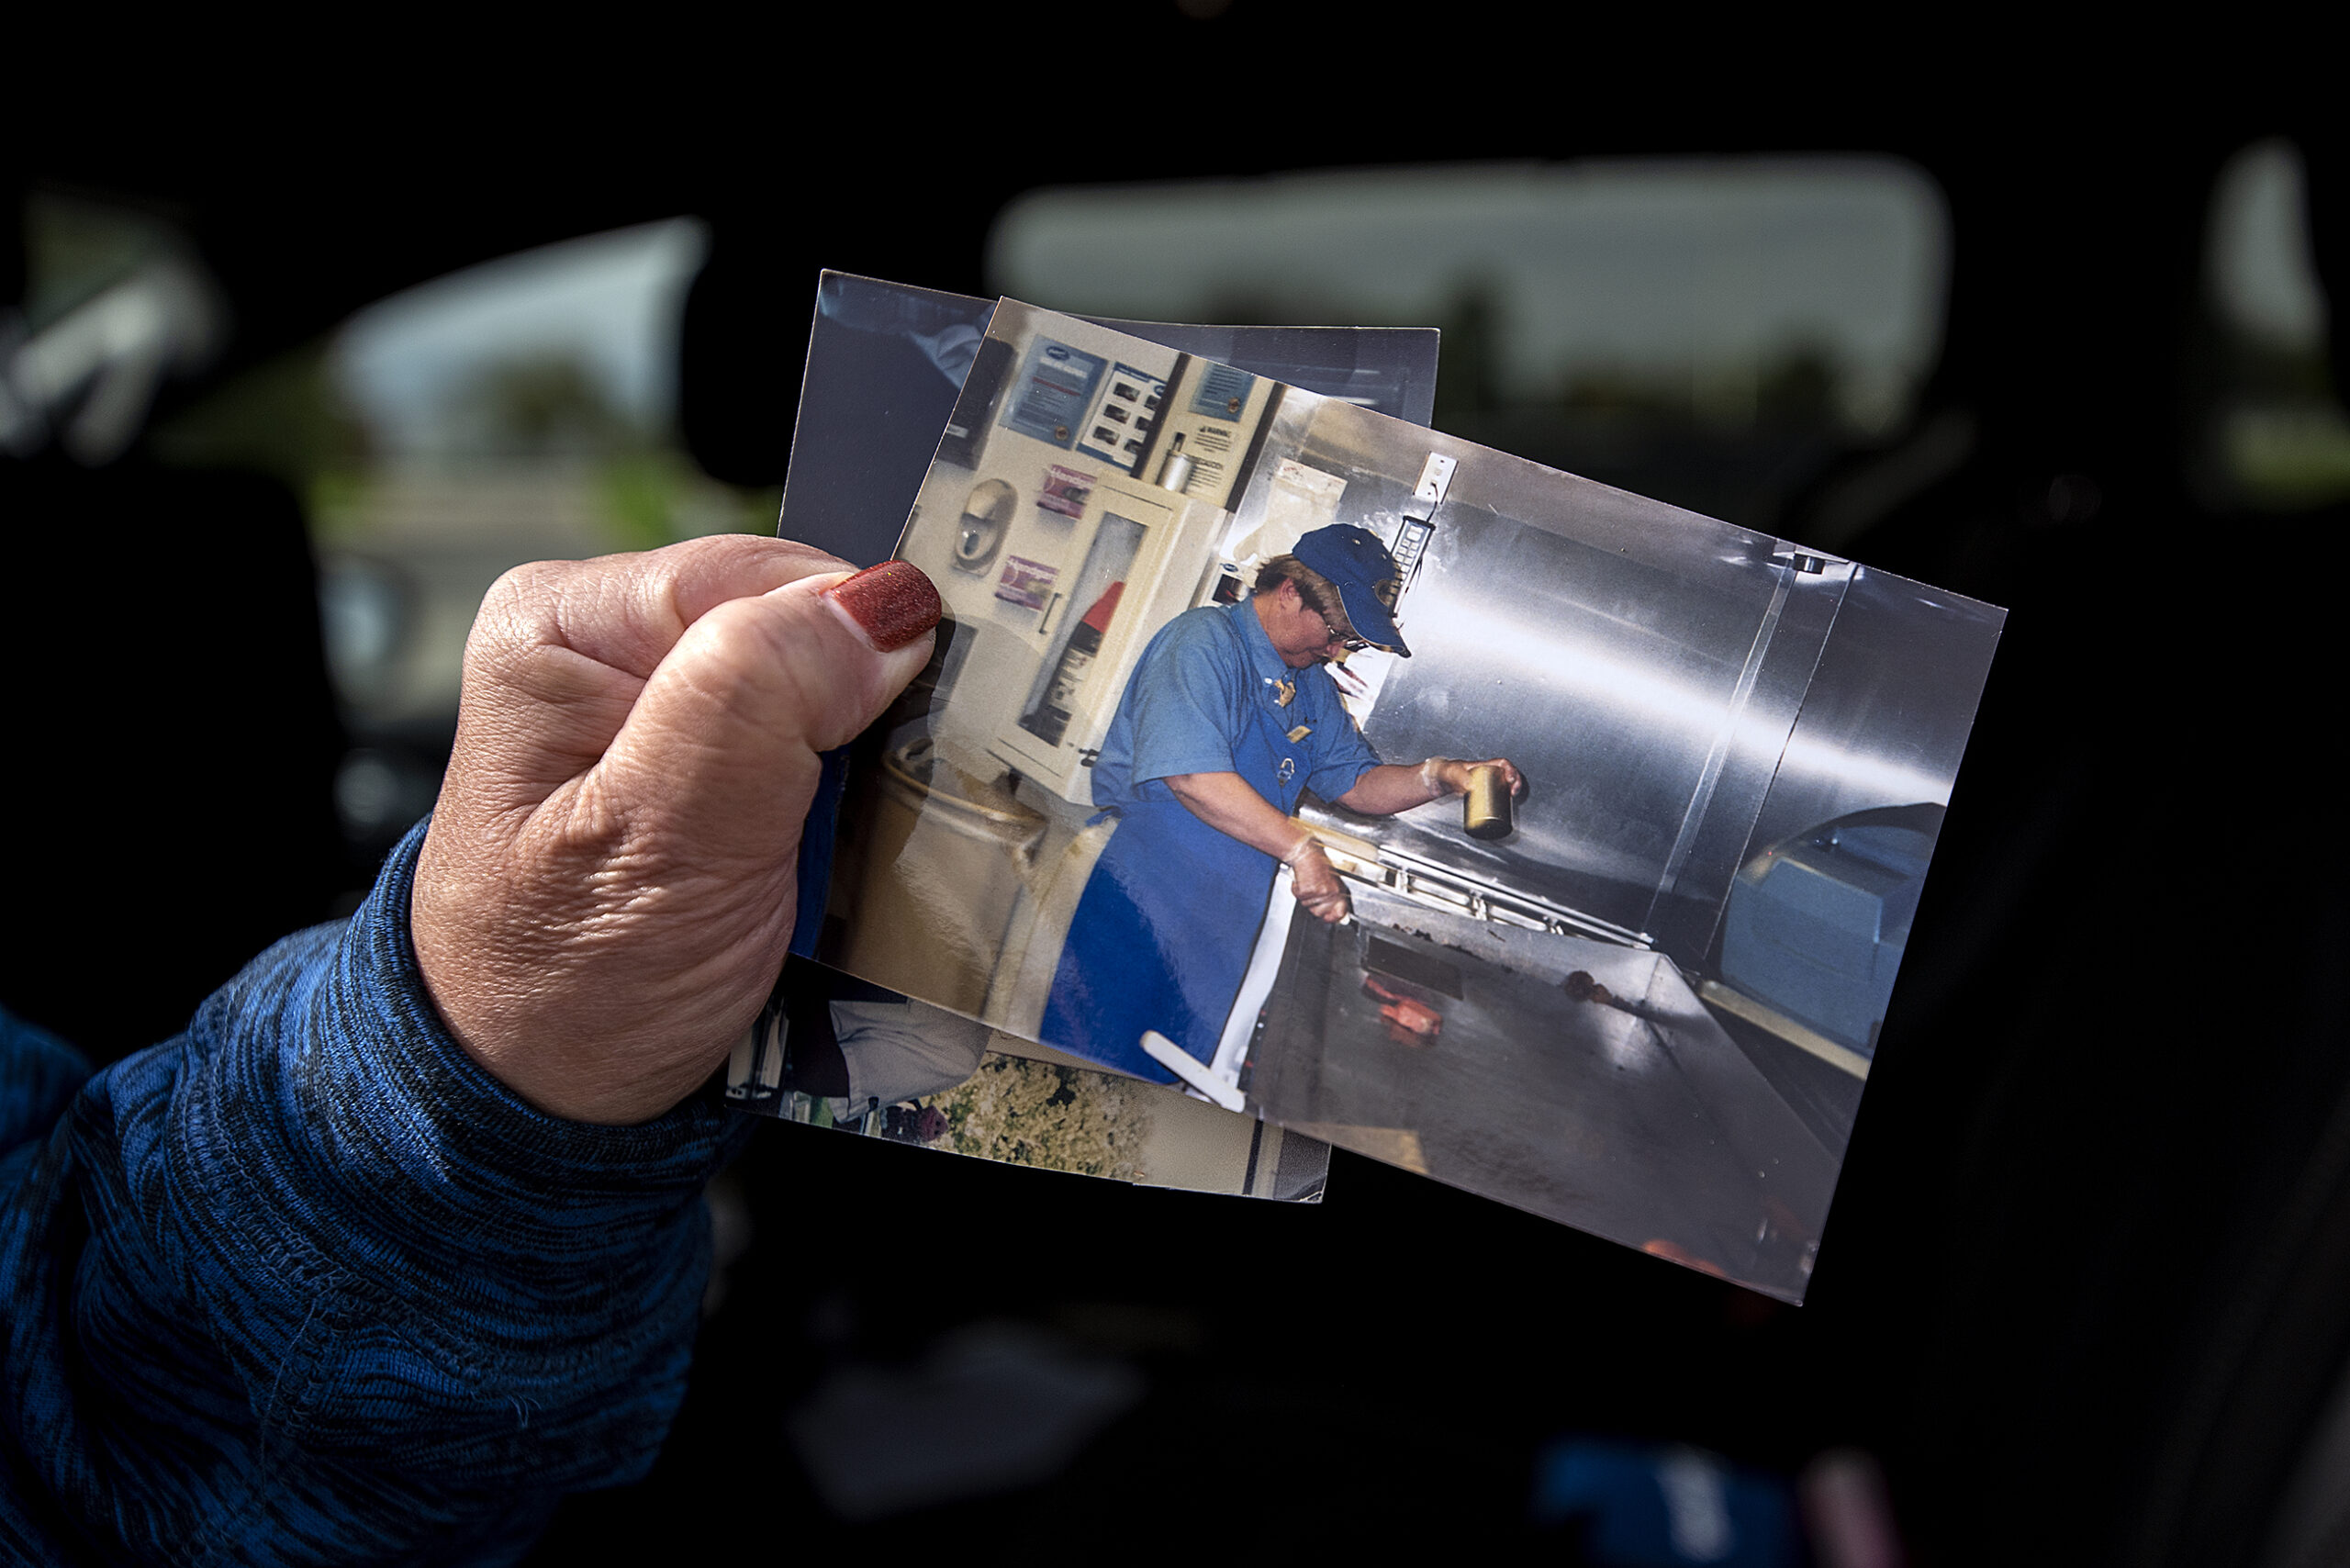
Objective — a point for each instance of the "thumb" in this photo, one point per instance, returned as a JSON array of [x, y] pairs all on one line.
[[721, 747]]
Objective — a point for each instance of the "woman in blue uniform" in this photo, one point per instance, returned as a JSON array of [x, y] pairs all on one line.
[[1229, 717]]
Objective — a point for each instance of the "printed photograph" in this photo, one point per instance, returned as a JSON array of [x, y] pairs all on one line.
[[1553, 843]]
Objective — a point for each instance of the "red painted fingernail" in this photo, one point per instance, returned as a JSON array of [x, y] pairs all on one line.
[[893, 601]]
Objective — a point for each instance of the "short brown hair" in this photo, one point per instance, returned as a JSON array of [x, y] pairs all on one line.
[[1320, 594]]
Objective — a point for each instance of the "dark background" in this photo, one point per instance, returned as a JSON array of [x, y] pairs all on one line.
[[2082, 1291]]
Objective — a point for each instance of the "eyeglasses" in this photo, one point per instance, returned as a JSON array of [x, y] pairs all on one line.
[[1351, 645]]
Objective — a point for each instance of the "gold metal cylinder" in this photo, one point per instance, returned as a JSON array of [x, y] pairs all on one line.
[[1485, 810]]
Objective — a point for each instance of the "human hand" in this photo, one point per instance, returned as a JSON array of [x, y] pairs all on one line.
[[1458, 775], [1315, 883], [608, 887]]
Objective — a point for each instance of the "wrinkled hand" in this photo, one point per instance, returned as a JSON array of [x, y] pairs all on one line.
[[1458, 775], [1318, 885], [608, 887]]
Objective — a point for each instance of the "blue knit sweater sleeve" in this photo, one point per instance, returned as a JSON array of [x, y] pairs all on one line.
[[306, 1285]]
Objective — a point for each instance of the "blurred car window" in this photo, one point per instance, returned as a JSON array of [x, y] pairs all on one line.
[[522, 409], [2277, 439], [1708, 330]]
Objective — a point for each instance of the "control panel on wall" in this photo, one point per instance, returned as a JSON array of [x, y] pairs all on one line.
[[1085, 403], [1192, 434], [1118, 428]]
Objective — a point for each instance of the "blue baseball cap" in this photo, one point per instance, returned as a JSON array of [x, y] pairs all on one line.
[[1359, 567]]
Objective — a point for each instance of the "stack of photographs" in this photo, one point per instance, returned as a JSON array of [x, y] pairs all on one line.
[[1632, 980]]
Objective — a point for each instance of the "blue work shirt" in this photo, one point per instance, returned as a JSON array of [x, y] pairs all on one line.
[[1161, 936], [1209, 676]]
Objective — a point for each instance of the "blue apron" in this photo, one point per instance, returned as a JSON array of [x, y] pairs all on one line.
[[1162, 937]]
